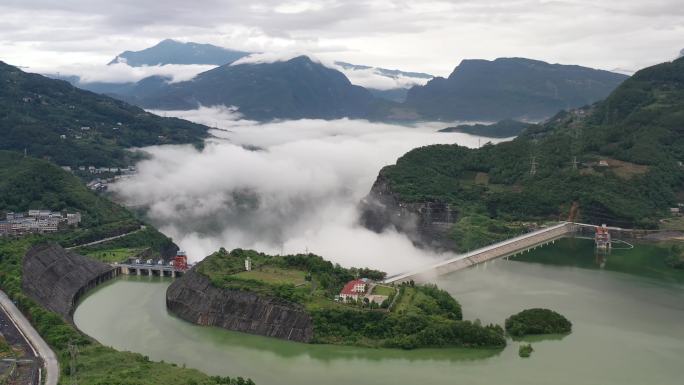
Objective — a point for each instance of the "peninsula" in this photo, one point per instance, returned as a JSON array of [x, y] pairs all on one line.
[[305, 298]]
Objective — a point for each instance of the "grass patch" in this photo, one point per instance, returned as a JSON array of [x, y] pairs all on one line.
[[275, 275], [474, 231], [5, 348], [673, 223], [482, 178], [626, 170], [405, 300], [114, 255], [97, 364], [383, 290]]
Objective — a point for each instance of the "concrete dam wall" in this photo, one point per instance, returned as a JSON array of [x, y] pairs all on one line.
[[56, 278]]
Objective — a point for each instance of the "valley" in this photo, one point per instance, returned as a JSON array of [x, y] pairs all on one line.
[[315, 192]]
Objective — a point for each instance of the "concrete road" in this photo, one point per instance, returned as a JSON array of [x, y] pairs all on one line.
[[142, 227], [40, 347]]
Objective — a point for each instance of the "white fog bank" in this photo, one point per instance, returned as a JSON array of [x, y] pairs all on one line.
[[284, 187]]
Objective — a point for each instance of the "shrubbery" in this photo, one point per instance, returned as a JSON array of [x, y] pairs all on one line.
[[525, 350], [537, 321]]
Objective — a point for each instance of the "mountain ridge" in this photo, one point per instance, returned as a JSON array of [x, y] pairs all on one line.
[[169, 51], [510, 88], [290, 89]]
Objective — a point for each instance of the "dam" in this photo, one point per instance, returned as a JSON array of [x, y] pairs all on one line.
[[503, 249]]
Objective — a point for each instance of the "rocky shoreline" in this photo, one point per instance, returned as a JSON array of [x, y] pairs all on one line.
[[193, 298], [427, 224]]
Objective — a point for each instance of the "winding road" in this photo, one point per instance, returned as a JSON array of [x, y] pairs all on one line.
[[34, 340], [142, 227]]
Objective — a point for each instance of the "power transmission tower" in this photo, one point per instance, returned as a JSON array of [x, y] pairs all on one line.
[[574, 163], [533, 166]]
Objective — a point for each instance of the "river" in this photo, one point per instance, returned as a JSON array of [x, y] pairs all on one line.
[[627, 329]]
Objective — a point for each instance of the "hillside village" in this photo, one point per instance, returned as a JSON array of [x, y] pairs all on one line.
[[37, 221]]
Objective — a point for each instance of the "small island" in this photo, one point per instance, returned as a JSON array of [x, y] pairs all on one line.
[[305, 298], [537, 321], [525, 350]]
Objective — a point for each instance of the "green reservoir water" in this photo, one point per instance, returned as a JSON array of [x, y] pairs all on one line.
[[627, 328]]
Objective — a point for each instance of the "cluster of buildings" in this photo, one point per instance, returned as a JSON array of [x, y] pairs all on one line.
[[37, 221], [101, 184], [360, 289], [102, 170]]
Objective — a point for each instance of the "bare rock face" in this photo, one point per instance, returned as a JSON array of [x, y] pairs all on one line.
[[427, 224], [56, 278], [193, 298]]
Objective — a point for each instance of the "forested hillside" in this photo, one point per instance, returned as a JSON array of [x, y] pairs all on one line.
[[51, 119], [617, 162], [27, 183]]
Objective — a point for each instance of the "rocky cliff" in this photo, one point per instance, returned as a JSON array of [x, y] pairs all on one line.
[[56, 278], [193, 298], [427, 224]]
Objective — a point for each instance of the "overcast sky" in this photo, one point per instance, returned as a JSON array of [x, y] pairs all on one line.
[[429, 36]]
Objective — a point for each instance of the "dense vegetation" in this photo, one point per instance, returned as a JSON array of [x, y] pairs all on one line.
[[29, 183], [413, 315], [97, 364], [503, 129], [537, 321], [273, 275], [627, 171], [424, 316], [676, 257], [36, 111], [148, 240]]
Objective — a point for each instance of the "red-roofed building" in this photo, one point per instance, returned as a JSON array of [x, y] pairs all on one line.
[[354, 289]]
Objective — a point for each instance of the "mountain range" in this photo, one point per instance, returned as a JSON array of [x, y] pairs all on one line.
[[482, 90]]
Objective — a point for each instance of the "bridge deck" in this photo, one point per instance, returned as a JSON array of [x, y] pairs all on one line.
[[496, 250]]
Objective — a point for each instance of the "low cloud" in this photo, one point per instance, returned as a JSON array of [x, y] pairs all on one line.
[[272, 57], [371, 78], [367, 77], [283, 187], [123, 73]]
